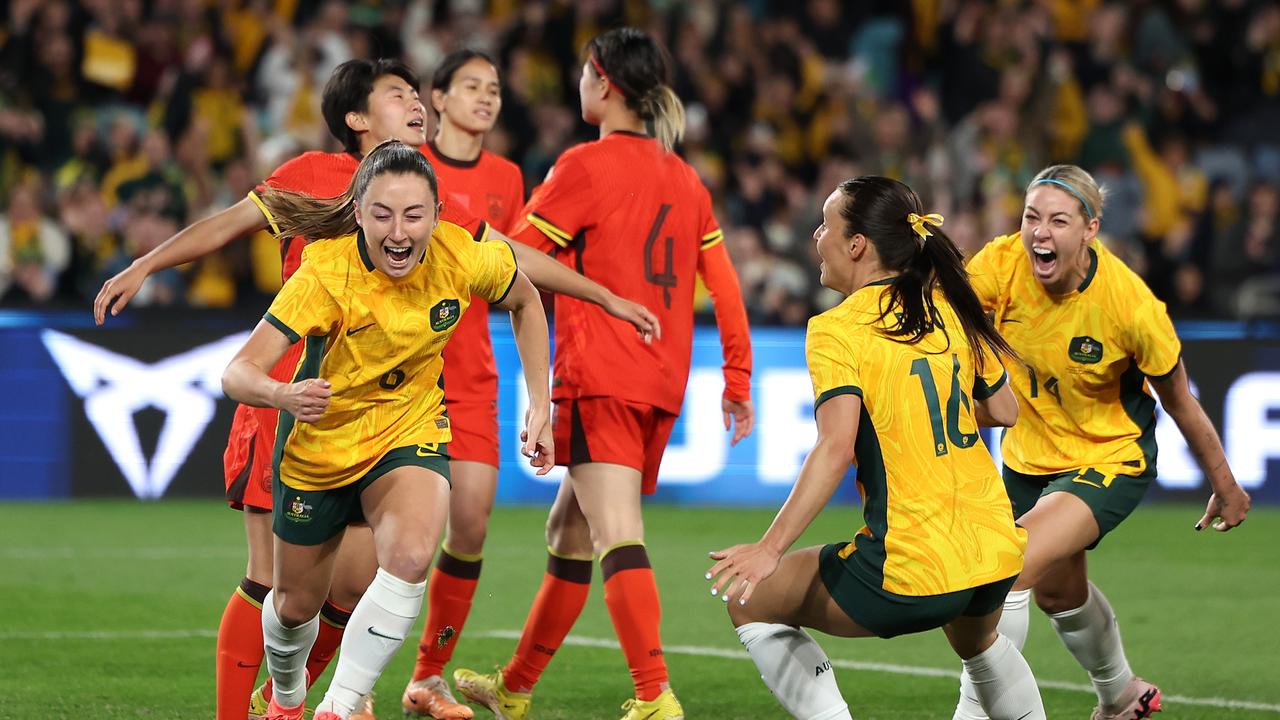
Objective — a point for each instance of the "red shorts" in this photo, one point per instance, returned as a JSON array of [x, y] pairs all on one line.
[[246, 462], [475, 431], [610, 430]]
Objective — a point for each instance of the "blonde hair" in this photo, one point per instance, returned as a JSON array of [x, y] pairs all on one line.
[[296, 214], [662, 106], [1075, 181]]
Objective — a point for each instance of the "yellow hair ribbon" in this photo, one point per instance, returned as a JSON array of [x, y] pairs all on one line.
[[918, 223]]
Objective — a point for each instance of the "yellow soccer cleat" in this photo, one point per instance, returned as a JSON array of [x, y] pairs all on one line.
[[663, 707], [489, 691], [430, 697], [258, 704]]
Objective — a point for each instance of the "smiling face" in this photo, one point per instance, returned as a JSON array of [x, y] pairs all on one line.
[[395, 112], [835, 266], [1056, 233], [473, 99], [398, 213]]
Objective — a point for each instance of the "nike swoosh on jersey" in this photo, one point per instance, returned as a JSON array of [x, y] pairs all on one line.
[[353, 331]]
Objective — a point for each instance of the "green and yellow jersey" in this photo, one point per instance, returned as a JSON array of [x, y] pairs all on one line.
[[937, 516], [1082, 391], [378, 342]]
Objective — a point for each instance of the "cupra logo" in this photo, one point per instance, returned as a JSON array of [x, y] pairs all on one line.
[[114, 387]]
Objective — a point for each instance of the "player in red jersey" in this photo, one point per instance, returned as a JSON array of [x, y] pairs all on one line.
[[466, 97], [628, 212], [364, 102]]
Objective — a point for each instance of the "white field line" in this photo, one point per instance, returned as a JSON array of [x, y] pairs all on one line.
[[733, 654], [119, 553], [693, 650]]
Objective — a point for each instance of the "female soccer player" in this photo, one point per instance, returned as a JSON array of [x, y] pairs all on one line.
[[904, 371], [363, 103], [1091, 335], [629, 213], [466, 97], [363, 436]]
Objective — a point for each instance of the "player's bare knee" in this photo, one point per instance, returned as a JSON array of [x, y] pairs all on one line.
[[296, 608], [741, 614], [347, 591], [409, 560], [468, 537], [1059, 599]]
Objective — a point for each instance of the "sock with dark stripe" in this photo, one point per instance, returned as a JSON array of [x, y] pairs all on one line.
[[449, 594], [239, 649], [333, 622], [631, 594], [559, 602]]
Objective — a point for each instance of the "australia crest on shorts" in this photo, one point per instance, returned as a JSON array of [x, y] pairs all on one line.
[[298, 511]]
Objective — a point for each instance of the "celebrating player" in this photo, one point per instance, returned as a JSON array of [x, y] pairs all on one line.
[[1092, 336], [903, 372], [631, 214], [364, 433], [364, 102]]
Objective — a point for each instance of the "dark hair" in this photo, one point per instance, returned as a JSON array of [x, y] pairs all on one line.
[[453, 62], [640, 69], [320, 218], [877, 207], [348, 91]]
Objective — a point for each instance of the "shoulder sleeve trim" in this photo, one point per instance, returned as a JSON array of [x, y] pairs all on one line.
[[556, 235], [982, 391], [835, 392], [278, 324], [275, 229]]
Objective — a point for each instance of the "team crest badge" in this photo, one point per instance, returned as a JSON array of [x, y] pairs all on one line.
[[444, 314], [298, 511], [1085, 350]]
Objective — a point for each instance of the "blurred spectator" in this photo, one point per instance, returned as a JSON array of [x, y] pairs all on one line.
[[33, 249], [141, 116]]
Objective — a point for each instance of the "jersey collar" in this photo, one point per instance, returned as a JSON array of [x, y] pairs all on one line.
[[364, 250], [1093, 270], [452, 162]]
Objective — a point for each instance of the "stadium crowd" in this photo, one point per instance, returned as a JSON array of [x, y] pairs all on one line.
[[121, 121]]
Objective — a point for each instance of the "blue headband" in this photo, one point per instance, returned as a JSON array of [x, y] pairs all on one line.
[[1069, 189]]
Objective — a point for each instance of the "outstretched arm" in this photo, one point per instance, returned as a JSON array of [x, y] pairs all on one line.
[[1229, 503], [529, 325], [551, 276], [741, 568], [193, 242]]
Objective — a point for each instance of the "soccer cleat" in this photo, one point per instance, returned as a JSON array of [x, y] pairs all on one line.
[[326, 715], [275, 712], [663, 707], [258, 704], [364, 710], [489, 691], [430, 697], [1143, 702]]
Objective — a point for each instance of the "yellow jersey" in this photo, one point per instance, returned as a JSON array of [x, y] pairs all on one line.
[[378, 342], [937, 516], [1082, 393]]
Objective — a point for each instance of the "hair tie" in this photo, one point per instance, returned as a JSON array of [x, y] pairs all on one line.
[[595, 63], [1069, 189], [917, 223]]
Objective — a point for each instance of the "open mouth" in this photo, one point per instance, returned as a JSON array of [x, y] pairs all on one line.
[[398, 257], [1044, 261], [416, 123]]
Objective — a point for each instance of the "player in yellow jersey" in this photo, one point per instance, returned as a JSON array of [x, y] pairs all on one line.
[[904, 371], [1093, 338], [363, 430]]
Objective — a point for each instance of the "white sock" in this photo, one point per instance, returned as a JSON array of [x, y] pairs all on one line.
[[796, 669], [378, 626], [286, 654], [1003, 682], [1013, 625], [1091, 634]]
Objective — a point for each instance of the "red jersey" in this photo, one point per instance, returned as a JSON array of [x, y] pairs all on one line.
[[492, 188], [636, 219]]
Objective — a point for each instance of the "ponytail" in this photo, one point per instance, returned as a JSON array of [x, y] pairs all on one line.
[[296, 214], [887, 213], [662, 106]]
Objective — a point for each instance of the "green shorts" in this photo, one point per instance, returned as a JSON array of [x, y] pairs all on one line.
[[1107, 490], [313, 517], [888, 614]]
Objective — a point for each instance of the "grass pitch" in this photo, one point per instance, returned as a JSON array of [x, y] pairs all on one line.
[[110, 610]]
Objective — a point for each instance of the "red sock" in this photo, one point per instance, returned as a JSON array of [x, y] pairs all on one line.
[[333, 620], [239, 649], [557, 606], [631, 594], [449, 594]]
